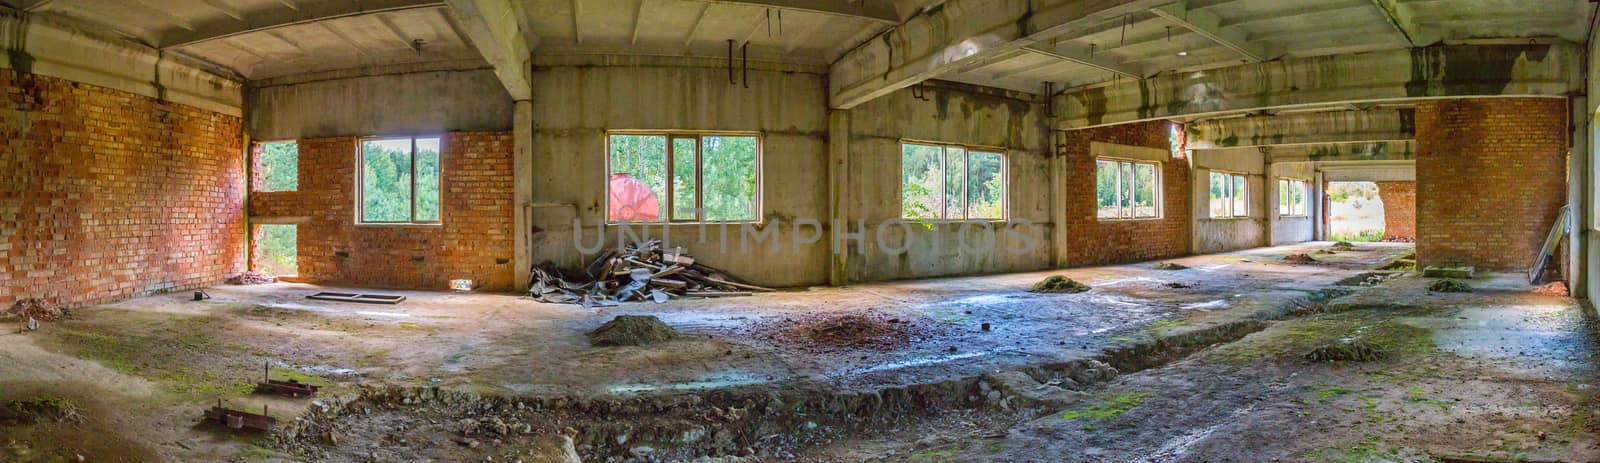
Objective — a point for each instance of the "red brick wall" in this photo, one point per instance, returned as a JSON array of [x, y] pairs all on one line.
[[1491, 175], [474, 240], [1094, 242], [106, 195], [1399, 210]]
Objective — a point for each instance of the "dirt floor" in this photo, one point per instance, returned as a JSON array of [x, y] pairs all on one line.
[[1206, 363]]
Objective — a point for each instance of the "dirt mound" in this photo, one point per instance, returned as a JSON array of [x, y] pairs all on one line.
[[40, 410], [851, 331], [35, 308], [1552, 289], [1300, 259], [1352, 351], [1405, 262], [252, 278], [1058, 284], [1343, 246], [1170, 266], [1449, 286], [631, 330]]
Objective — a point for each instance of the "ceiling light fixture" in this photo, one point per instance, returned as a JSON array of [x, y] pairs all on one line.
[[1183, 53]]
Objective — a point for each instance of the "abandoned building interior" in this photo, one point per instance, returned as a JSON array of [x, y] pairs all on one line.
[[799, 230]]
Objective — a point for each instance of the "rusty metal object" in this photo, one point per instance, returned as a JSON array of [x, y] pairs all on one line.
[[239, 419], [291, 388]]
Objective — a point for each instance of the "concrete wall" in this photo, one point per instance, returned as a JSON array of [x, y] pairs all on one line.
[[472, 241], [1226, 234], [955, 114], [106, 194], [576, 102], [1288, 230], [1491, 176], [360, 104]]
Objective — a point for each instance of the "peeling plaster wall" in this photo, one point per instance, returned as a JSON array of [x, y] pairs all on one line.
[[575, 103], [429, 102], [955, 114], [1289, 230], [1227, 234]]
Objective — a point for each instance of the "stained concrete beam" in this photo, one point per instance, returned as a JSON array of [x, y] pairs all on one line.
[[1304, 128], [492, 28], [1209, 25], [37, 45], [280, 17], [873, 10], [1548, 70], [1394, 150], [958, 33]]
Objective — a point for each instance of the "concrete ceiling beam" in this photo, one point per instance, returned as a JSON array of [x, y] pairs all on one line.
[[880, 11], [225, 9], [1082, 57], [274, 19], [1209, 25], [957, 35], [1361, 152], [1536, 70], [1309, 128], [1400, 23], [491, 28]]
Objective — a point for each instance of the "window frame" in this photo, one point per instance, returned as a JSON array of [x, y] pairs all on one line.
[[260, 149], [1156, 190], [1305, 198], [361, 181], [758, 202], [966, 167], [1231, 196]]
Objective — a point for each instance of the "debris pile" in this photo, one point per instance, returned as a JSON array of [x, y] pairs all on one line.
[[252, 278], [1449, 286], [1405, 262], [40, 410], [1347, 351], [827, 332], [631, 330], [1300, 259], [637, 272], [34, 309], [1344, 246], [1058, 284], [1170, 266], [1552, 289]]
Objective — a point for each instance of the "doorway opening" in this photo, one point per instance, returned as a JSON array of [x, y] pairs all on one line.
[[1355, 212]]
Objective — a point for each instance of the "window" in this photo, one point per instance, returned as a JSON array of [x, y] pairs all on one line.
[[277, 167], [1229, 195], [951, 182], [683, 177], [399, 181], [1291, 198], [1126, 189], [276, 251]]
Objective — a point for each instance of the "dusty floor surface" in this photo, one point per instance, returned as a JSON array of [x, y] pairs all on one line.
[[1500, 372]]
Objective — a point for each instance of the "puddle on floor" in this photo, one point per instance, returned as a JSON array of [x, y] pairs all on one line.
[[708, 381]]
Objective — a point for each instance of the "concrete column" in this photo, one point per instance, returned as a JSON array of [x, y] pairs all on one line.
[[1580, 194], [522, 169], [1058, 201], [839, 194]]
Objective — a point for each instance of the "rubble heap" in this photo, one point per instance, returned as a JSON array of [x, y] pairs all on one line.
[[636, 272]]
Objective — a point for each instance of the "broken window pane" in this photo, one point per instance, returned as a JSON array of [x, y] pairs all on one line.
[[638, 178], [729, 177], [955, 172], [279, 165], [986, 187], [1240, 207], [1219, 194], [386, 180], [1105, 189], [1144, 193], [684, 169], [921, 175], [427, 174]]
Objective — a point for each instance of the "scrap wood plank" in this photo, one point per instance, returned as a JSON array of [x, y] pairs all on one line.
[[239, 419]]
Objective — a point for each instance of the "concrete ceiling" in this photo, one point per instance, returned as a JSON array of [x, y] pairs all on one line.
[[261, 39], [1204, 34]]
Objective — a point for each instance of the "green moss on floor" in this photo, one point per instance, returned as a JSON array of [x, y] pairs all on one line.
[[1107, 409], [1383, 329], [183, 354]]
